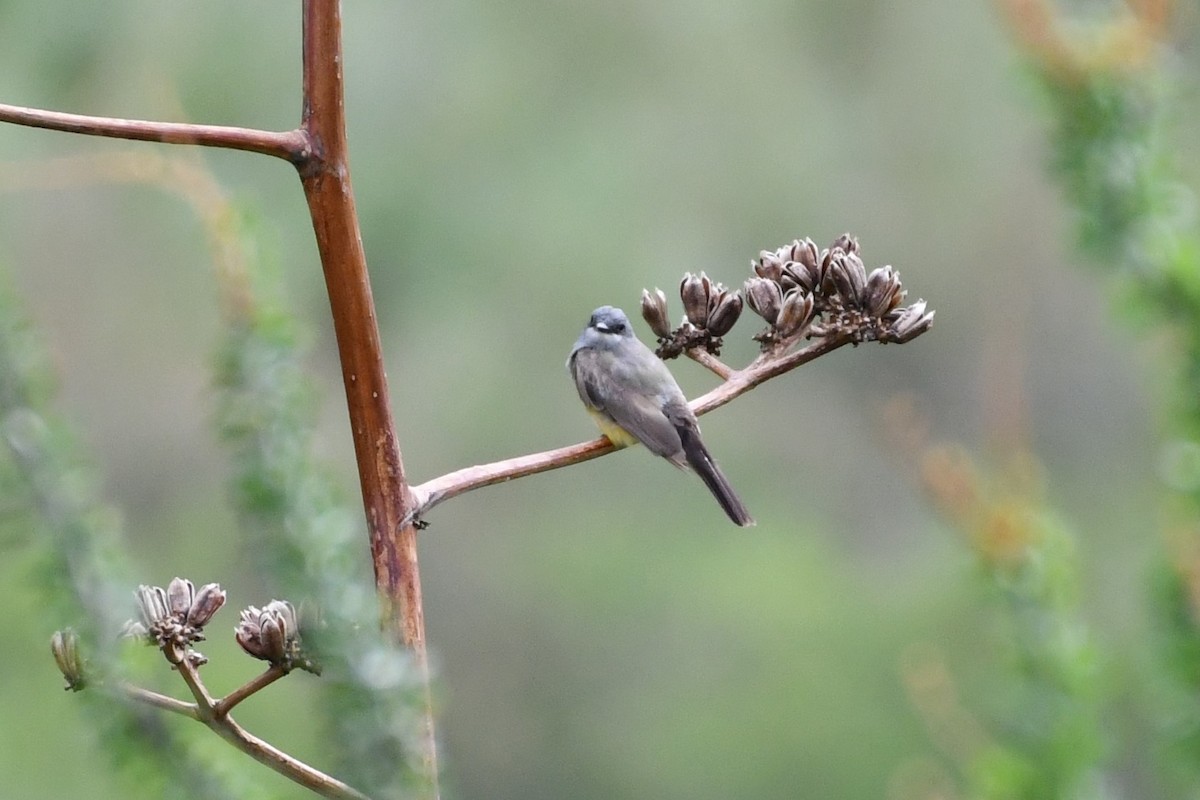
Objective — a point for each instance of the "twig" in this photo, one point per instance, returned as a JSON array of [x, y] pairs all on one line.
[[205, 703], [263, 680], [210, 713], [157, 700], [738, 382], [297, 771], [710, 362], [763, 368], [289, 145]]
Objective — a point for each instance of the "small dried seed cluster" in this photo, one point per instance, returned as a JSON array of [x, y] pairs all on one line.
[[801, 291], [710, 312], [272, 633], [174, 618]]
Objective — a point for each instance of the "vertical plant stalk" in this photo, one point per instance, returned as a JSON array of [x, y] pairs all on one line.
[[318, 151], [325, 175]]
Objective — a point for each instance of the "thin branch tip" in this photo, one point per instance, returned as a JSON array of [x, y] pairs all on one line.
[[292, 146]]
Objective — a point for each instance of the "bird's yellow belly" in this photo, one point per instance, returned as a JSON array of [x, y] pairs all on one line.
[[615, 433]]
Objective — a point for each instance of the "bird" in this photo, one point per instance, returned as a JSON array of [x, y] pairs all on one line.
[[633, 397]]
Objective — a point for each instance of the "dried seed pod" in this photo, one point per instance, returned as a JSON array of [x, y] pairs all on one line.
[[654, 311], [764, 298], [152, 606], [174, 618], [207, 601], [722, 318], [769, 266], [694, 290], [805, 252], [795, 313], [910, 323], [797, 273], [180, 592], [846, 243], [271, 633], [64, 645], [273, 637], [883, 291], [848, 275]]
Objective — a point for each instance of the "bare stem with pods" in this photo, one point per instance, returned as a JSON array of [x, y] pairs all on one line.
[[737, 382], [215, 714], [318, 150], [824, 299], [173, 619], [813, 301]]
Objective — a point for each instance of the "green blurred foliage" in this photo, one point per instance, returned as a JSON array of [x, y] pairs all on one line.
[[600, 631], [1112, 141], [75, 572]]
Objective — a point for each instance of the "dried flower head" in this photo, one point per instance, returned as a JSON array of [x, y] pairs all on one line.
[[174, 618], [770, 265], [708, 305], [272, 633], [846, 243], [694, 290], [795, 313], [764, 297], [803, 292], [847, 277], [883, 291], [654, 311], [724, 309], [906, 324], [710, 312], [64, 645]]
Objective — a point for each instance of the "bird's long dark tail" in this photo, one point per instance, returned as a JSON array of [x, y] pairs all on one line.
[[701, 461]]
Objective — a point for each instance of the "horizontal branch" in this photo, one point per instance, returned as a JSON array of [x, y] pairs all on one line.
[[291, 146], [738, 382], [452, 484]]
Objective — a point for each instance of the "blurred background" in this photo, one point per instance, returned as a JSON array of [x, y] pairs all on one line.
[[602, 631]]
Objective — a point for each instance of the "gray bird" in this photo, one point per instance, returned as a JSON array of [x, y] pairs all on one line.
[[634, 398]]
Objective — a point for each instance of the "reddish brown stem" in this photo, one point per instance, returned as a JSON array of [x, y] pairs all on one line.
[[325, 174], [326, 179], [288, 145], [319, 152]]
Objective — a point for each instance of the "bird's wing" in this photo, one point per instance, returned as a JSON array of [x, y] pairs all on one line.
[[637, 413]]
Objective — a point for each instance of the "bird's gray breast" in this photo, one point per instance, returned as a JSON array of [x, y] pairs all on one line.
[[636, 391]]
